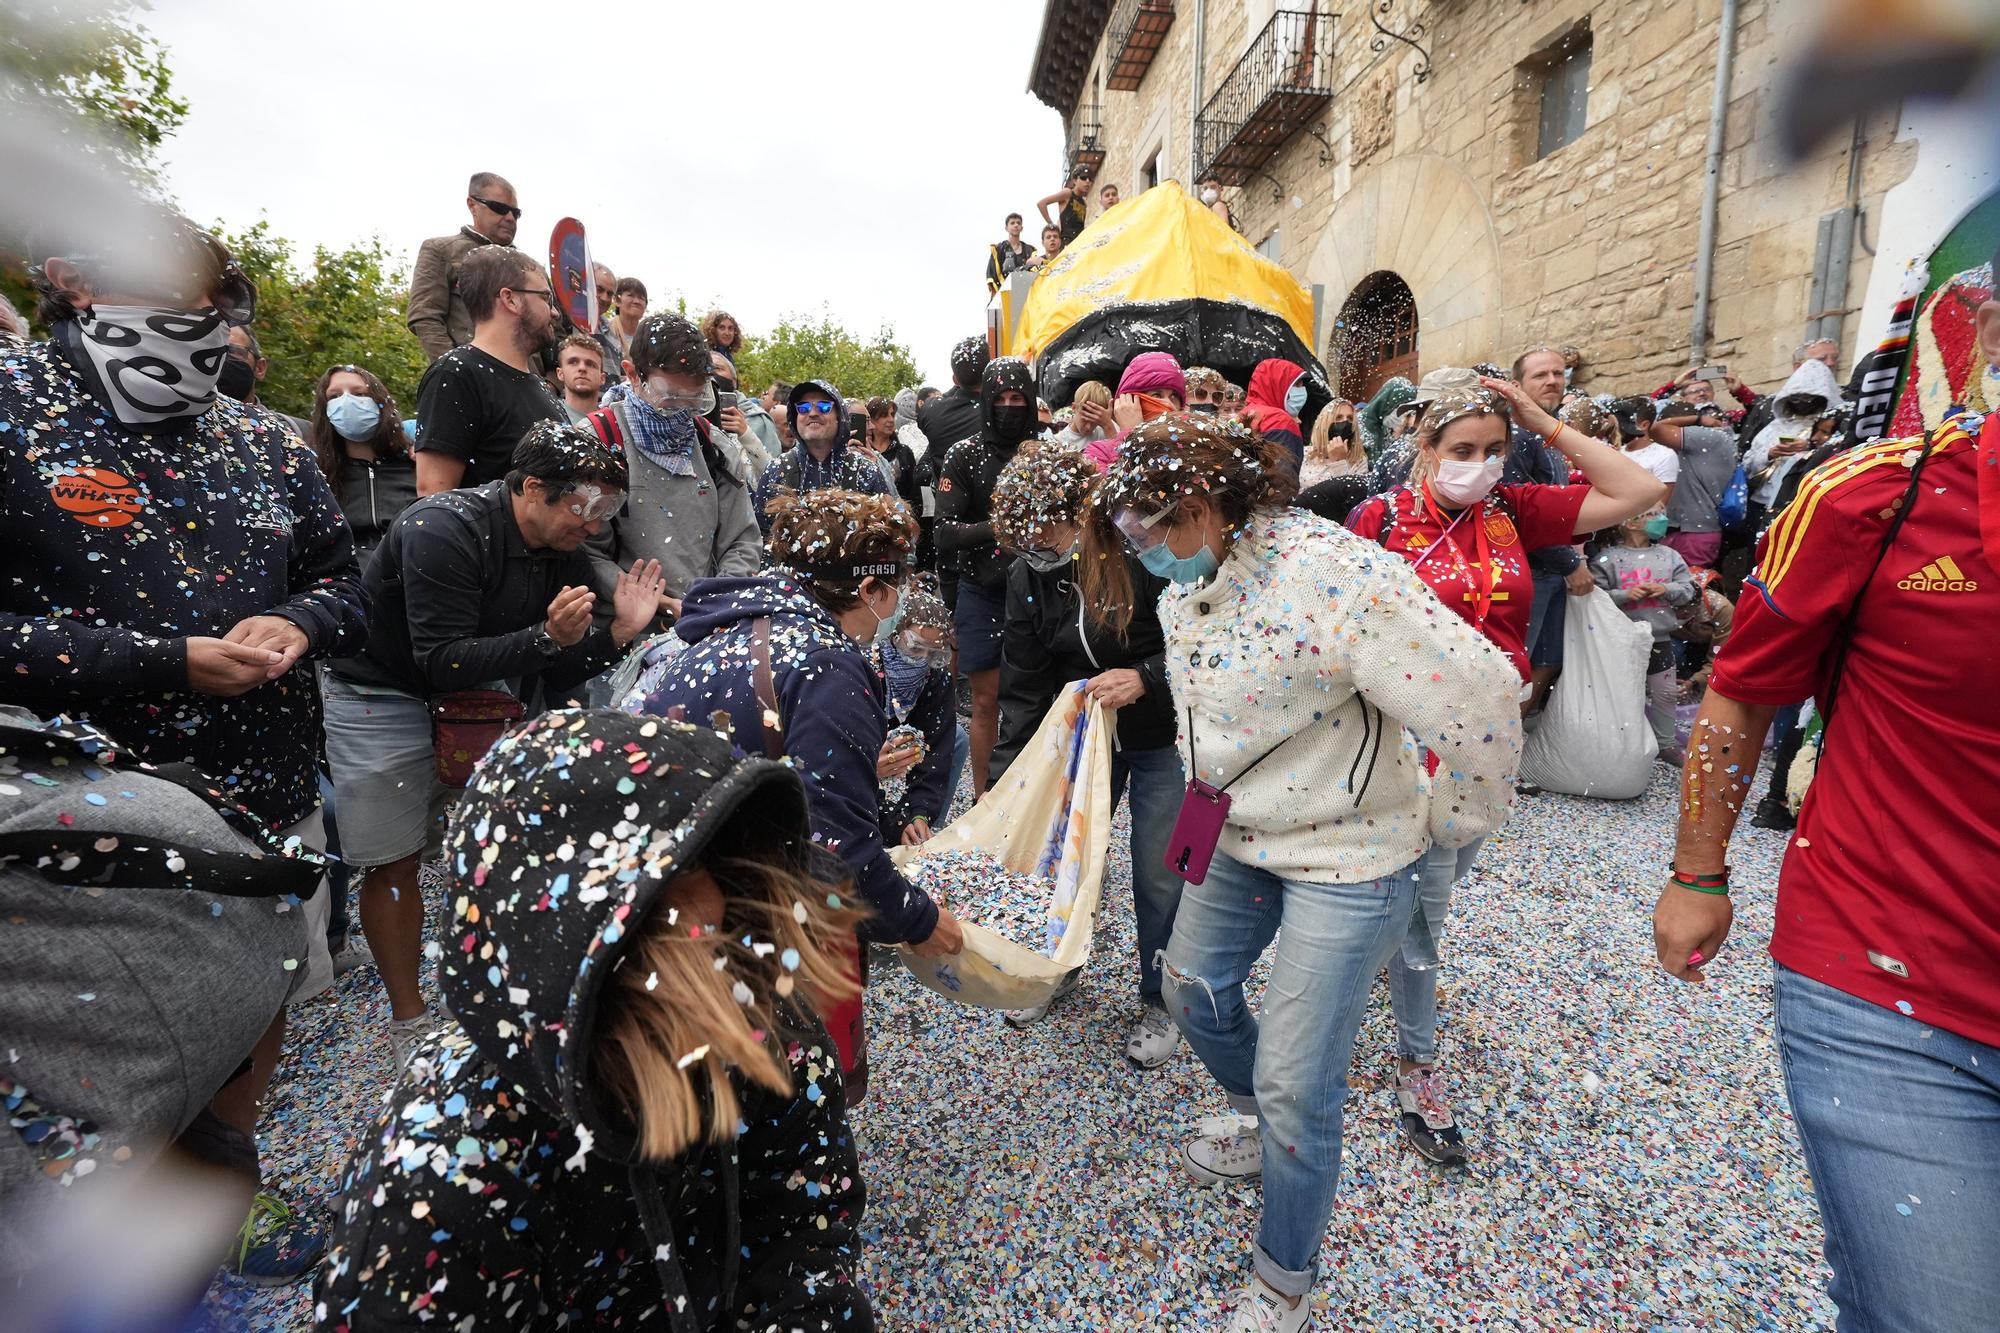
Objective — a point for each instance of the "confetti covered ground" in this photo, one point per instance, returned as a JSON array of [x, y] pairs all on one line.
[[979, 889], [1634, 1165]]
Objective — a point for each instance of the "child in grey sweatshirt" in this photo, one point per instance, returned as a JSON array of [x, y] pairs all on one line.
[[1650, 583]]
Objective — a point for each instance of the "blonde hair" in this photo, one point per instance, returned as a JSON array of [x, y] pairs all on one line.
[[1095, 392], [1321, 447], [691, 1010], [1441, 415]]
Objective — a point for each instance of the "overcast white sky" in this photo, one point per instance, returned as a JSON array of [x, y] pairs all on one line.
[[772, 155]]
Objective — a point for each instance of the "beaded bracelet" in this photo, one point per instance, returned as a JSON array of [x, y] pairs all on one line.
[[1703, 883]]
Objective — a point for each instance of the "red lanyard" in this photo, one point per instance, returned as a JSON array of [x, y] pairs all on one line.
[[1482, 598]]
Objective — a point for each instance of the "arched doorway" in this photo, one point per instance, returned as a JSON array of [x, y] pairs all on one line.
[[1375, 337]]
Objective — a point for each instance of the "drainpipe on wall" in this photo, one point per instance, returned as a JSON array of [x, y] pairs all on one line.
[[1711, 194], [1194, 111]]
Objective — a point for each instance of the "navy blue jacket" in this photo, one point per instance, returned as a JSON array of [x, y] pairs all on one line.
[[1530, 461], [120, 545], [831, 713], [797, 471]]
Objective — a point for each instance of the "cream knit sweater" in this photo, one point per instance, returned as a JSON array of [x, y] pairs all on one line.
[[1312, 633]]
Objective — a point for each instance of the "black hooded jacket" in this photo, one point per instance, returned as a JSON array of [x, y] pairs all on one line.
[[1048, 643], [965, 484], [497, 1190]]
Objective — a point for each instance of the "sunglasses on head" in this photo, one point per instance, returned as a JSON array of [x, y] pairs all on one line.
[[495, 206], [814, 406]]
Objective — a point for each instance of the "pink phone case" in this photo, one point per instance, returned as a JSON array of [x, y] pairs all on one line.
[[1190, 847]]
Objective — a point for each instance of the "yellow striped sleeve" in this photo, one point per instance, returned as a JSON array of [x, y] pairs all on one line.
[[1788, 531]]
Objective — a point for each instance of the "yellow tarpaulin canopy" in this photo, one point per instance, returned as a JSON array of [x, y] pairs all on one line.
[[1161, 246]]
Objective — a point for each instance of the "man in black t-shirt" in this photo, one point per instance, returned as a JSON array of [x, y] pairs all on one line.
[[477, 401], [1009, 255], [948, 418]]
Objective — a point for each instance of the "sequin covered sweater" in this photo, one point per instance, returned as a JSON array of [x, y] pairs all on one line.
[[1316, 638]]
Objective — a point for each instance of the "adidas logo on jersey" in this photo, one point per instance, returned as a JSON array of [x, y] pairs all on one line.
[[1940, 575]]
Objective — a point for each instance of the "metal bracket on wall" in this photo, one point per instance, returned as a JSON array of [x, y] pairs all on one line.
[[1408, 37], [1277, 186], [1325, 146]]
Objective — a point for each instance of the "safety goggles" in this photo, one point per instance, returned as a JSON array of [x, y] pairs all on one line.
[[913, 649], [593, 503], [1139, 530], [812, 407], [494, 206], [661, 395]]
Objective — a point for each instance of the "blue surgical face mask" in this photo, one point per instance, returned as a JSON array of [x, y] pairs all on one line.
[[1196, 568], [353, 415], [1295, 399], [885, 626], [1656, 526]]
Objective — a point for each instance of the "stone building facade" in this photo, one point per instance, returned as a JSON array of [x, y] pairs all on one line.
[[1486, 175]]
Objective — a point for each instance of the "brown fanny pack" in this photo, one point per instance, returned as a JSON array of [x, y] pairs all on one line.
[[464, 725]]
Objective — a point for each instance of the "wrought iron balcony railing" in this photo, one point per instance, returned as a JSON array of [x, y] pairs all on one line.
[[1282, 84], [1138, 28], [1085, 147]]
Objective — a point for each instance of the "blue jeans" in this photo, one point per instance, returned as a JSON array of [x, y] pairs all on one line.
[[336, 870], [1290, 1068], [1900, 1122], [1156, 787], [961, 751], [1413, 992]]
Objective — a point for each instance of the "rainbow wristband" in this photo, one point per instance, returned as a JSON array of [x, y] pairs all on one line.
[[1703, 883]]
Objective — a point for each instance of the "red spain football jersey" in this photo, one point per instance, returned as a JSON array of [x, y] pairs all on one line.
[[1890, 890], [1514, 519]]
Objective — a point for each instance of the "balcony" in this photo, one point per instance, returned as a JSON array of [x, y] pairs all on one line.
[[1138, 28], [1085, 147], [1283, 83]]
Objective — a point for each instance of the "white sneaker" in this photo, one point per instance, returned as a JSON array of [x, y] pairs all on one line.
[[1153, 1040], [1260, 1309], [1021, 1018], [406, 1034], [1229, 1148], [352, 953]]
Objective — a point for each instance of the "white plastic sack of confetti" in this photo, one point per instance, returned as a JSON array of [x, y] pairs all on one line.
[[1594, 739], [1048, 816]]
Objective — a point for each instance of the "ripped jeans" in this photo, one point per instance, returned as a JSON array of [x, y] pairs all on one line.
[[1289, 1068]]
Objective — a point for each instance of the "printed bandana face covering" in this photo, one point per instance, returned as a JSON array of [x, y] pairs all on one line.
[[153, 364]]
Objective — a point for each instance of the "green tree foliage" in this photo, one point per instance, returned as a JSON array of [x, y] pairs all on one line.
[[822, 348], [347, 309], [94, 63], [97, 62]]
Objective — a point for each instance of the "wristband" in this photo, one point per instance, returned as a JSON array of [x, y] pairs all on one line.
[[1703, 883], [1561, 426]]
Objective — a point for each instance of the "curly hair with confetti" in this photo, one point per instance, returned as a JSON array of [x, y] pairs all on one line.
[[1044, 485], [824, 536], [1164, 462]]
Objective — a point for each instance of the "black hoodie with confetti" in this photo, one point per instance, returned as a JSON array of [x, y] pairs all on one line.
[[498, 1190], [119, 545]]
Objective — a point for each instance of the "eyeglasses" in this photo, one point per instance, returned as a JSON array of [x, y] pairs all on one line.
[[546, 293], [494, 206], [813, 406]]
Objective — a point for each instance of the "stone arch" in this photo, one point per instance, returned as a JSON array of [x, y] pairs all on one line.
[[1374, 336], [1423, 219]]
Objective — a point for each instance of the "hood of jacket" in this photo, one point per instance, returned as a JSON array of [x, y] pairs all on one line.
[[717, 604], [1001, 374], [818, 389], [1813, 379], [565, 840], [1394, 395], [1264, 399]]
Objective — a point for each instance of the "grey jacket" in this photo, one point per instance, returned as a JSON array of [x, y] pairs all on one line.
[[1617, 568], [697, 527], [437, 313]]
